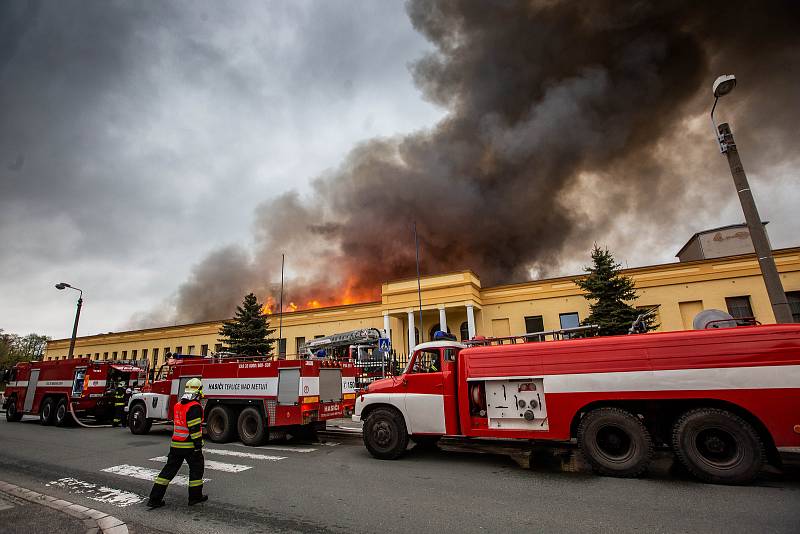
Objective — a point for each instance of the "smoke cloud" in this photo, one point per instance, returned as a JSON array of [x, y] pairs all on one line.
[[563, 118]]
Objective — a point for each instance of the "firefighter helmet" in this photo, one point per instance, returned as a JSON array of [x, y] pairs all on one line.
[[194, 387]]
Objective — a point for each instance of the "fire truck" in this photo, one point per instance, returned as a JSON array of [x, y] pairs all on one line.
[[724, 400], [358, 346], [57, 390], [252, 398]]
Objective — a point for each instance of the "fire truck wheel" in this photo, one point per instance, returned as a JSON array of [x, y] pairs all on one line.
[[47, 412], [385, 434], [12, 414], [615, 442], [220, 427], [252, 427], [138, 422], [718, 446], [62, 416]]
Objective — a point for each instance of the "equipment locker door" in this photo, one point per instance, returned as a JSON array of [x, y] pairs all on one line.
[[31, 391], [288, 385]]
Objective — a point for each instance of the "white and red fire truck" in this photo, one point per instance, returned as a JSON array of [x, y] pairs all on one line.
[[724, 400], [54, 390], [249, 397], [362, 347]]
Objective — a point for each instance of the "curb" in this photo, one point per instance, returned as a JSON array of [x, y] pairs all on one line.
[[96, 521]]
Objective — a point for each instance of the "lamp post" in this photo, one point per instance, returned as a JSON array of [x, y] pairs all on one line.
[[780, 306], [64, 285]]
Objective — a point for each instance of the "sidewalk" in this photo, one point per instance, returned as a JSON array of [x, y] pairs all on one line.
[[26, 511], [344, 424]]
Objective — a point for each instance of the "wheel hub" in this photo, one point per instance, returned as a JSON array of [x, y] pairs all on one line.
[[382, 433]]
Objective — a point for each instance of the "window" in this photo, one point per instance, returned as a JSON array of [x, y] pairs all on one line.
[[124, 354], [298, 344], [114, 355], [464, 331], [794, 303], [134, 352], [105, 355], [155, 358], [426, 361], [203, 350], [178, 350], [218, 347], [96, 355], [166, 353], [319, 336], [569, 320], [739, 307], [190, 349], [282, 348], [534, 323]]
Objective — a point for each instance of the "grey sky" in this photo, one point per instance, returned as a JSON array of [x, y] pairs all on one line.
[[137, 137]]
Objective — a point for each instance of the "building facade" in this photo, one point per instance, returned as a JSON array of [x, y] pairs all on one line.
[[457, 300]]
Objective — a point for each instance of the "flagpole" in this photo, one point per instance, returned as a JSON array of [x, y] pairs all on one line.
[[419, 284]]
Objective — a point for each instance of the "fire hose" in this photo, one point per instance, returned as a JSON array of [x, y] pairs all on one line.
[[75, 417]]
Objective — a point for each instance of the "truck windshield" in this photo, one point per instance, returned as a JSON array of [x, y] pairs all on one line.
[[425, 361]]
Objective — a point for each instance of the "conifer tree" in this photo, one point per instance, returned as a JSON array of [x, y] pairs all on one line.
[[611, 294], [248, 333]]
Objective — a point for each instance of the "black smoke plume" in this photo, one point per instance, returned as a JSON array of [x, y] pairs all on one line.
[[564, 117]]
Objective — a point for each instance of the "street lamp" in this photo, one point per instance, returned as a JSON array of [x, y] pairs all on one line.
[[64, 285], [780, 306]]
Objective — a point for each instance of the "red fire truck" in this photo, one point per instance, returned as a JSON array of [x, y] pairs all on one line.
[[249, 397], [54, 389], [724, 400]]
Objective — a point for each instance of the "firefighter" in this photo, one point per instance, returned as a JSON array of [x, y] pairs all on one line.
[[186, 444], [434, 366], [125, 400], [119, 405]]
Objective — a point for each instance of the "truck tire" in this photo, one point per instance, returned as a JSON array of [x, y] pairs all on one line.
[[220, 426], [12, 414], [252, 427], [615, 442], [718, 446], [62, 416], [385, 434], [138, 422], [47, 412]]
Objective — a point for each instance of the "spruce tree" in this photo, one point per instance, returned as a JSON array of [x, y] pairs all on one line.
[[248, 333], [611, 294]]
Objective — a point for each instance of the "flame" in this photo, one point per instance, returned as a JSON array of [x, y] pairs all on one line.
[[269, 306], [292, 306]]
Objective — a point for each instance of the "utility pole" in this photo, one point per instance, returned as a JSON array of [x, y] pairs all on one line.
[[280, 308], [777, 297]]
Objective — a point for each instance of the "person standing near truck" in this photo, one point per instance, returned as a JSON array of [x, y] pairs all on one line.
[[186, 444], [119, 405]]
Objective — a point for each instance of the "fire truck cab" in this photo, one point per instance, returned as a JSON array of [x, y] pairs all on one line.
[[724, 400], [252, 398]]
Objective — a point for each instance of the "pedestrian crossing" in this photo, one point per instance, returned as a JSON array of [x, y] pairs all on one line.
[[221, 460]]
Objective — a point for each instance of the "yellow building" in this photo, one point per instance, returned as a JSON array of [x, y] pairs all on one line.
[[681, 290]]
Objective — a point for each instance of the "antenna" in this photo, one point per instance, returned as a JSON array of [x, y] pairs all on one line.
[[280, 313], [419, 283]]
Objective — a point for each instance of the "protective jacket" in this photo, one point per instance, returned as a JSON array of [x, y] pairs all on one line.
[[187, 431]]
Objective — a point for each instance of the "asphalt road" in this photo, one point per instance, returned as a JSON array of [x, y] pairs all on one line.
[[336, 486]]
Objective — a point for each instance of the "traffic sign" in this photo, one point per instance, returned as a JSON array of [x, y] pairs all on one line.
[[384, 344]]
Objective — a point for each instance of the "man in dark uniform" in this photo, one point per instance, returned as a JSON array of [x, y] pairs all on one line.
[[119, 405], [186, 444]]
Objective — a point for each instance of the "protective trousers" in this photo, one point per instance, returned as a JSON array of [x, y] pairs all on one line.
[[174, 461]]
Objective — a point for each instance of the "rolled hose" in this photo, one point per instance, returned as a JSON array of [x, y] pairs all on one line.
[[84, 425]]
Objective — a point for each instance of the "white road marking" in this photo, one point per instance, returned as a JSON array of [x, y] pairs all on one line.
[[252, 456], [97, 493], [327, 444], [144, 473], [276, 448], [213, 466]]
